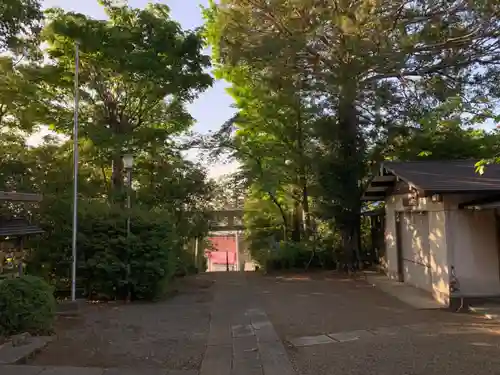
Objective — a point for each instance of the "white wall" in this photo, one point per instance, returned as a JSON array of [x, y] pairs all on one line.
[[439, 255], [474, 250], [416, 250], [390, 262], [436, 278]]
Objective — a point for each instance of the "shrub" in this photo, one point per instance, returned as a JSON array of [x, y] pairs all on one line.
[[27, 304], [300, 255], [104, 251]]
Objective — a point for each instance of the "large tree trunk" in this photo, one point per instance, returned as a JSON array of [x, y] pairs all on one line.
[[351, 159], [121, 129], [117, 175], [282, 211], [305, 218], [305, 208], [297, 222]]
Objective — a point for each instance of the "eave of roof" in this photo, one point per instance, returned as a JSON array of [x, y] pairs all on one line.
[[377, 188], [431, 176], [19, 197], [18, 227]]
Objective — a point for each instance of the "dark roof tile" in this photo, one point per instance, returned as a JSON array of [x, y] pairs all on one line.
[[18, 227], [446, 176]]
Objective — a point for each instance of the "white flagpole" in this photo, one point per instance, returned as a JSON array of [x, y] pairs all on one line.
[[75, 175]]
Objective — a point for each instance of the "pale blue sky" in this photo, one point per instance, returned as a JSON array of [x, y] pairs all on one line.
[[213, 107]]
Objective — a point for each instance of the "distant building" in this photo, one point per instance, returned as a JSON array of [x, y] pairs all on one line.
[[222, 255]]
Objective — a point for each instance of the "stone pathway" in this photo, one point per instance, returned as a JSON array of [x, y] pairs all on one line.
[[242, 340], [63, 370], [382, 333]]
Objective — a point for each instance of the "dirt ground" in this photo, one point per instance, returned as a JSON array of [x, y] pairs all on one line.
[[171, 334], [423, 342]]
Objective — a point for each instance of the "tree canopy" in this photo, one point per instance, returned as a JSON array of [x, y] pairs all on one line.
[[323, 92], [332, 87], [19, 21], [138, 69]]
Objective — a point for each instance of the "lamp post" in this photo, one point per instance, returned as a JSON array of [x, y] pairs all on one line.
[[128, 164]]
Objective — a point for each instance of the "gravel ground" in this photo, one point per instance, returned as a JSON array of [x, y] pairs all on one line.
[[171, 334], [439, 342], [429, 353]]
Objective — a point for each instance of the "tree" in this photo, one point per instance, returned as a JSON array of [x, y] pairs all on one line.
[[370, 66], [138, 69], [18, 19], [22, 105], [270, 138]]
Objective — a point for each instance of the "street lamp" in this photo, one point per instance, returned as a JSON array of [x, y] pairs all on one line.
[[128, 161], [128, 164]]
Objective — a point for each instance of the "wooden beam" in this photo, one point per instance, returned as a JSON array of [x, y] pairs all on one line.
[[19, 197], [373, 198], [384, 178], [224, 228], [376, 189]]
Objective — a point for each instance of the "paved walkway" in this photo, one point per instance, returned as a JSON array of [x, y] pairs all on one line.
[[242, 340], [63, 370]]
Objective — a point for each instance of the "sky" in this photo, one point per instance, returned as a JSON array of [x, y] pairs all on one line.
[[213, 107]]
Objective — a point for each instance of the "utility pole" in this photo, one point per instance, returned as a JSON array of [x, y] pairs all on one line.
[[75, 174]]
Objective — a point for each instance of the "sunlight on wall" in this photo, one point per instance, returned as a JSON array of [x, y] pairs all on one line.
[[423, 245]]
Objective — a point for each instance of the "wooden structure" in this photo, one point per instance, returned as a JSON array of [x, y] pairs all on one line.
[[226, 220], [13, 233], [19, 197]]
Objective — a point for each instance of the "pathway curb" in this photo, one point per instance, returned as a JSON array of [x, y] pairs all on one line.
[[13, 355]]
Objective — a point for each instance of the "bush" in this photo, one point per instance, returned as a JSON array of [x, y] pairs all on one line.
[[27, 304], [104, 251], [299, 255], [289, 255]]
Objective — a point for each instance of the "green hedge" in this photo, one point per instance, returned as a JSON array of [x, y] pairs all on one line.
[[153, 251], [27, 304], [293, 255]]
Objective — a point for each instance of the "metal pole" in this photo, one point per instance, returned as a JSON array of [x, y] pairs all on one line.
[[75, 174], [196, 262], [237, 250], [129, 206]]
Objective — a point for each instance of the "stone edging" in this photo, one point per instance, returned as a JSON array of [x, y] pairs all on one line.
[[12, 355]]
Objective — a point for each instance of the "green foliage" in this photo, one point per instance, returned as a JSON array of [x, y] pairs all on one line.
[[27, 304], [18, 19], [322, 91], [138, 71], [304, 256], [153, 252]]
